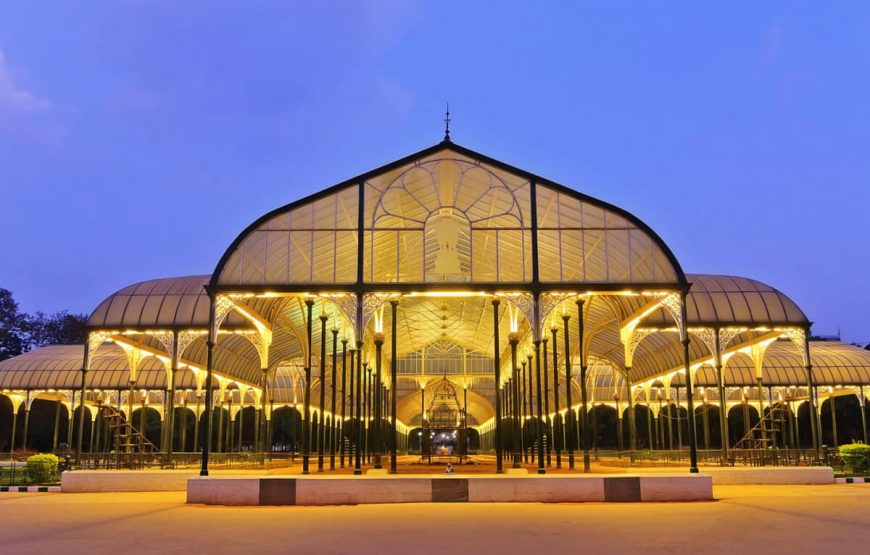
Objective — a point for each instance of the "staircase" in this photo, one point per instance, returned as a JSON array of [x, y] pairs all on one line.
[[132, 449], [763, 434]]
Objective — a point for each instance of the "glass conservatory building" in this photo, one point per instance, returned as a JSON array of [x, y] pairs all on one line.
[[446, 295]]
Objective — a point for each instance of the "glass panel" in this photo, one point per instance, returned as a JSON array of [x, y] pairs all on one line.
[[281, 250], [452, 197]]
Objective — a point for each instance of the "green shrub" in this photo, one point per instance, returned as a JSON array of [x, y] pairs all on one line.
[[42, 468], [856, 457]]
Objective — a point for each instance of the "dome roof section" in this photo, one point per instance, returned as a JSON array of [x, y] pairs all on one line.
[[716, 300], [179, 302]]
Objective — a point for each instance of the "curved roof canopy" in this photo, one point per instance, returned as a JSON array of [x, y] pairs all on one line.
[[716, 300], [179, 302]]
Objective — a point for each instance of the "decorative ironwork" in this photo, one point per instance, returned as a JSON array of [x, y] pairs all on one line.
[[372, 303], [96, 339], [548, 303], [707, 335], [798, 337], [347, 305], [637, 335], [725, 337], [222, 307], [524, 303], [673, 304]]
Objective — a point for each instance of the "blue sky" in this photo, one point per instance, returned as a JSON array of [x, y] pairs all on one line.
[[137, 138]]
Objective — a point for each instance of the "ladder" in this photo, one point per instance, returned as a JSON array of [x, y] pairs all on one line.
[[763, 434], [130, 444]]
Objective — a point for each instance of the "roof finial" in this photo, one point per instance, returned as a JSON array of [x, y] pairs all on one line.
[[447, 124]]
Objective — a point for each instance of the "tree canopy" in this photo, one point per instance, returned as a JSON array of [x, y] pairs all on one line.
[[21, 332]]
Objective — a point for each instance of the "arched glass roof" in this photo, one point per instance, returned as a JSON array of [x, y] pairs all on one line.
[[447, 214]]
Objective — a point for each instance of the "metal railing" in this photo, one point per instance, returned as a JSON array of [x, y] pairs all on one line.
[[714, 457], [23, 473]]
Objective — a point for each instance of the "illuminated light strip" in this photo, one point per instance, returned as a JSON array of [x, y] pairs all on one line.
[[149, 351], [710, 360]]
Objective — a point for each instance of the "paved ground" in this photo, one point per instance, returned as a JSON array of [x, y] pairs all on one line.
[[745, 520]]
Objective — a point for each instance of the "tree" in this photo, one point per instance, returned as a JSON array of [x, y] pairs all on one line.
[[12, 327], [60, 328], [20, 332]]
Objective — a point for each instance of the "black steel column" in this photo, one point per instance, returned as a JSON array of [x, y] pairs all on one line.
[[264, 441], [306, 408], [569, 415], [556, 416], [376, 391], [169, 401], [422, 417], [354, 414], [814, 426], [206, 433], [332, 425], [584, 428], [525, 412], [863, 415], [357, 465], [516, 444], [723, 405], [57, 406], [321, 420], [549, 421], [394, 380], [541, 469], [693, 436], [496, 359], [343, 424], [86, 364], [530, 394]]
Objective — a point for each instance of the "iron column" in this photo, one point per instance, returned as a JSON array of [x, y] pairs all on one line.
[[357, 465], [541, 469], [499, 465], [394, 384], [584, 430], [332, 427], [569, 415], [556, 416], [513, 340], [306, 409]]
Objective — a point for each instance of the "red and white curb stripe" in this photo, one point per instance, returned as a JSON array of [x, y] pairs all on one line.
[[852, 480], [30, 489]]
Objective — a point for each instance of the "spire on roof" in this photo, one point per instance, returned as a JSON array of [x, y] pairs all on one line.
[[447, 124]]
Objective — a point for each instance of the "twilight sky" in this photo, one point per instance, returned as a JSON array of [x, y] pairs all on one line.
[[138, 138]]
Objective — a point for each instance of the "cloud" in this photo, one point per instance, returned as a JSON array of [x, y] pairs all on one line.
[[14, 99], [25, 118]]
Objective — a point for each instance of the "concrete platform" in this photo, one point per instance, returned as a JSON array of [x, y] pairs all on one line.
[[480, 488], [91, 481], [767, 475]]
